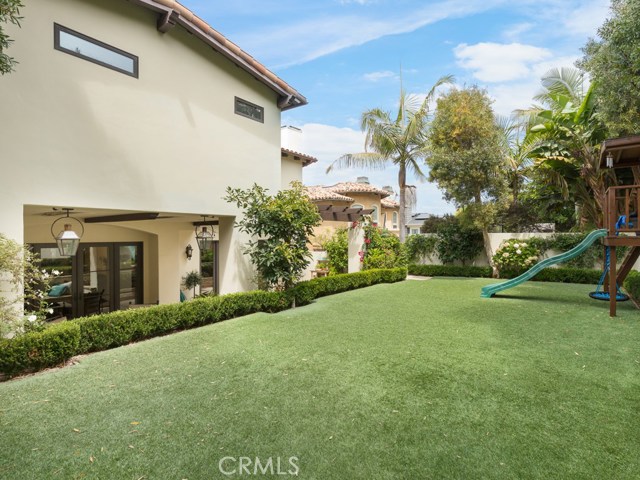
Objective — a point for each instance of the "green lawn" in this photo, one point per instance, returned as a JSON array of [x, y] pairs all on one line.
[[416, 380]]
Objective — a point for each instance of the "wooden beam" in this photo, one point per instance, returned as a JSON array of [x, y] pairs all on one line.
[[627, 265], [205, 223], [125, 217], [613, 290]]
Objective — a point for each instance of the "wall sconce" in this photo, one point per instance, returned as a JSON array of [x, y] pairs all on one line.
[[67, 240], [189, 251]]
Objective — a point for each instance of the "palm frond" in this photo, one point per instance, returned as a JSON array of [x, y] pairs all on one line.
[[366, 160]]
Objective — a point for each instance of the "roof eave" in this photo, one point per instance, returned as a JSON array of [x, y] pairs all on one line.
[[175, 13]]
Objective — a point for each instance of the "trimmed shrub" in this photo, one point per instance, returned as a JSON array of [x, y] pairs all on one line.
[[632, 285], [450, 271], [37, 350], [564, 275], [110, 330]]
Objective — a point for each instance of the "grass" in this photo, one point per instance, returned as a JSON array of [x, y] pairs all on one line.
[[422, 379]]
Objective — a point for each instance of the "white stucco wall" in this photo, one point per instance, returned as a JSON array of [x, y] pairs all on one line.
[[291, 171], [77, 134]]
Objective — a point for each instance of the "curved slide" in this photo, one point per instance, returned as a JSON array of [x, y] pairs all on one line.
[[490, 290]]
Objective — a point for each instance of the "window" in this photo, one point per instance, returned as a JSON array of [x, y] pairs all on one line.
[[95, 51], [415, 231], [395, 220], [374, 214], [249, 110]]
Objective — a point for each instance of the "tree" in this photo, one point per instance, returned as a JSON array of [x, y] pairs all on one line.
[[467, 158], [9, 13], [568, 133], [23, 284], [281, 226], [397, 140], [613, 63]]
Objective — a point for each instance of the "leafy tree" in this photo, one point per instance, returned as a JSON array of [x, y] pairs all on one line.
[[9, 13], [467, 158], [337, 248], [281, 226], [457, 241], [613, 62], [382, 249], [23, 285], [398, 140], [420, 246], [568, 133]]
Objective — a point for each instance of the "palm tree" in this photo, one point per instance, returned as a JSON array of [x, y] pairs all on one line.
[[568, 134], [399, 141]]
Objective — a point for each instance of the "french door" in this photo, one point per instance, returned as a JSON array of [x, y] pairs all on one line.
[[100, 278]]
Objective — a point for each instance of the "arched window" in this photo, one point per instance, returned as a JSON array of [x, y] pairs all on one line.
[[395, 220], [374, 214]]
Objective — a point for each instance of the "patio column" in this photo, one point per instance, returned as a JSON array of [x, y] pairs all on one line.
[[356, 240]]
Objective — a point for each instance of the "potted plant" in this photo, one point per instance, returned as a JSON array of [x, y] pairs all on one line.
[[191, 280]]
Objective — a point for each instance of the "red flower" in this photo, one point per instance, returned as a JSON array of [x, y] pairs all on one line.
[[367, 240]]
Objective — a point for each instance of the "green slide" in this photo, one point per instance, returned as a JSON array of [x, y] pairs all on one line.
[[490, 290]]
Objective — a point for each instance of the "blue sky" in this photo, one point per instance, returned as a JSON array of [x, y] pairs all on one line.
[[345, 56]]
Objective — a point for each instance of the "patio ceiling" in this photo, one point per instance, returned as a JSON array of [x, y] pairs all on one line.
[[625, 151]]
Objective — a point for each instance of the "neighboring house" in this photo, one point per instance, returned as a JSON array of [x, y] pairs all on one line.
[[292, 164], [416, 222], [138, 115], [351, 197]]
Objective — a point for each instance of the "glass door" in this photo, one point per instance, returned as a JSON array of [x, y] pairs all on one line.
[[96, 279], [102, 277], [129, 275], [209, 270], [61, 284]]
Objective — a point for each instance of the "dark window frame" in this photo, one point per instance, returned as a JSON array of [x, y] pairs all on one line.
[[250, 104], [57, 28]]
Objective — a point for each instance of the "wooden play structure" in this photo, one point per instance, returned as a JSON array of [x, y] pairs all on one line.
[[621, 211]]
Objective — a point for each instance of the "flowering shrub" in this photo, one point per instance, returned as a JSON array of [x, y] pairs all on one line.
[[516, 256], [23, 306]]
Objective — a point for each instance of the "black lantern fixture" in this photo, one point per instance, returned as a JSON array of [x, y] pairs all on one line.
[[67, 240], [204, 238], [189, 251]]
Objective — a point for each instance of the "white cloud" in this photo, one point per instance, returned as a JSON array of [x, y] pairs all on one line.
[[298, 41], [377, 76], [515, 31], [327, 143], [499, 62], [586, 19]]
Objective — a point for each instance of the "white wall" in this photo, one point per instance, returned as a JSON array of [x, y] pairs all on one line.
[[77, 134]]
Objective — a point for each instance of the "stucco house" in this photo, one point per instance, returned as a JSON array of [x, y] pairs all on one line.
[[352, 197], [137, 115]]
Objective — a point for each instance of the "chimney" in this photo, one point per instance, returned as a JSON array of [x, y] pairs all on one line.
[[388, 188], [363, 180], [291, 138]]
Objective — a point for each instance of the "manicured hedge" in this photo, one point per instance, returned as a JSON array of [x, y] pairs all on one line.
[[38, 350], [632, 285], [35, 351], [565, 275], [449, 271]]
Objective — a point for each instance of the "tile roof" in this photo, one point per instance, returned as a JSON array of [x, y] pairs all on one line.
[[306, 159], [387, 203], [174, 13], [356, 187], [319, 193]]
